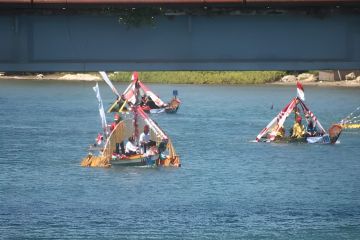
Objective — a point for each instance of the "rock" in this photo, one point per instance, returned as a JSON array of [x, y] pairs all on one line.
[[288, 78], [350, 76], [307, 77], [40, 76]]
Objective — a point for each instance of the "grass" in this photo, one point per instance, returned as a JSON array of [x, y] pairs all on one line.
[[202, 77]]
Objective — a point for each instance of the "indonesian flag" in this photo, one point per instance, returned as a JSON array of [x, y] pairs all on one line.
[[99, 139], [134, 76], [130, 92], [300, 91]]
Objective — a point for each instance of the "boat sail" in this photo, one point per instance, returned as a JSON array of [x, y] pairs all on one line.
[[274, 131], [111, 151], [138, 93]]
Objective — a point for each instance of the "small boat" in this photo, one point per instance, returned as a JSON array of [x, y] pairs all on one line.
[[109, 147], [137, 93], [352, 121], [350, 125], [275, 132], [163, 153]]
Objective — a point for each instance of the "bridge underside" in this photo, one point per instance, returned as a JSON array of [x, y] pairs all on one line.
[[243, 40]]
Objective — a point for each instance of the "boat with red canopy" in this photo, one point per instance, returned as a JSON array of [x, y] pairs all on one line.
[[313, 133], [137, 93], [109, 149]]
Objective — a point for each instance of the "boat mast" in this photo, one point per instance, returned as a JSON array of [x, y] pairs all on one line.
[[135, 106]]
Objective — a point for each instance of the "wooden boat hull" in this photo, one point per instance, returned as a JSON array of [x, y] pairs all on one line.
[[172, 107], [325, 139], [331, 138], [135, 160], [172, 110], [161, 110]]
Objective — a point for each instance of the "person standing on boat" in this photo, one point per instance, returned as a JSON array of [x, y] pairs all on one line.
[[311, 130], [116, 121], [119, 146], [99, 140], [131, 148], [298, 129], [280, 133], [144, 139]]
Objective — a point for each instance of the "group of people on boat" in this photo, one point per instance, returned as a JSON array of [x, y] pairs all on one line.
[[298, 130], [143, 146], [314, 132], [147, 103]]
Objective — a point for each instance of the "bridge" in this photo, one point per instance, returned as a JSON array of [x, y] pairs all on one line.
[[118, 35]]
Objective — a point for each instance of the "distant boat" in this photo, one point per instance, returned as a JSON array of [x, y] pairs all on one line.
[[137, 93], [275, 132], [350, 125], [352, 121]]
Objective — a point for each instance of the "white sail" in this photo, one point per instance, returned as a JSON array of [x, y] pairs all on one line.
[[151, 94], [107, 80]]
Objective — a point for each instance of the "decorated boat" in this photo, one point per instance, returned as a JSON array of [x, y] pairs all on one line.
[[109, 148], [352, 121], [313, 133], [145, 98]]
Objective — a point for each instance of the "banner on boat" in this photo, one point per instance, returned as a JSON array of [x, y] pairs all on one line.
[[101, 107]]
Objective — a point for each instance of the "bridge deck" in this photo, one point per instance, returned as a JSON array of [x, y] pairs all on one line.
[[64, 35], [243, 3]]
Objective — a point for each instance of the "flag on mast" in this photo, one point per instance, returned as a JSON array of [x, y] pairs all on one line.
[[107, 80], [134, 76], [300, 91], [101, 107]]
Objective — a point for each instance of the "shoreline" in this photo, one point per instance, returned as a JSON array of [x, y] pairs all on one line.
[[55, 77], [343, 83], [93, 78]]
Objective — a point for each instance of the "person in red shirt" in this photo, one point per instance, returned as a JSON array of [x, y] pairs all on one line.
[[116, 121]]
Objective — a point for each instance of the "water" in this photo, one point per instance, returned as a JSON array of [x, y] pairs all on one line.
[[227, 188]]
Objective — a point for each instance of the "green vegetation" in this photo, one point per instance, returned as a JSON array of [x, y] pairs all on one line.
[[203, 77]]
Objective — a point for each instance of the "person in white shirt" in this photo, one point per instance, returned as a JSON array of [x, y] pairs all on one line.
[[131, 148], [144, 139]]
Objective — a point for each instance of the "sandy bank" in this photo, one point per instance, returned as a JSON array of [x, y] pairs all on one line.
[[96, 77], [57, 76], [344, 83]]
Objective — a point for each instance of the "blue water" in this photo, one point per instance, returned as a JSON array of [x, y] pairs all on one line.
[[227, 188]]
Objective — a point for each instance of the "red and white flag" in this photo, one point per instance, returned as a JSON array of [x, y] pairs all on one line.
[[99, 139], [134, 76], [300, 91]]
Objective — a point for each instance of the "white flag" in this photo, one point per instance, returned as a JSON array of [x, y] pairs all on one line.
[[107, 80], [101, 107], [300, 91]]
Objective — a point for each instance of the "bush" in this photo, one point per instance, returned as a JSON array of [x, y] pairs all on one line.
[[203, 77]]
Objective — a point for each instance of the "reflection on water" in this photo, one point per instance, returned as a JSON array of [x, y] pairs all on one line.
[[228, 187]]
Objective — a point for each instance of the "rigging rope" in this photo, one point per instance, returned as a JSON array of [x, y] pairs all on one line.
[[352, 119]]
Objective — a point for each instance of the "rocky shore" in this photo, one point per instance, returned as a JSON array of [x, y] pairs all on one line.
[[306, 79]]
